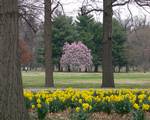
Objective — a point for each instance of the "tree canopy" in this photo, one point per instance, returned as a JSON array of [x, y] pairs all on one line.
[[76, 56]]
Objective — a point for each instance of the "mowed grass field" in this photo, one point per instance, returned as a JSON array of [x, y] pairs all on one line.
[[86, 80]]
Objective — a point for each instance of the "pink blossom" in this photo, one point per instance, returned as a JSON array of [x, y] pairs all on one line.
[[76, 55]]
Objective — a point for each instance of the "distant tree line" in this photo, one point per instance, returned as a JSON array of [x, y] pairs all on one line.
[[86, 30]]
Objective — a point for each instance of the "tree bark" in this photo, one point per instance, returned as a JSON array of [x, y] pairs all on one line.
[[48, 45], [59, 68], [119, 69], [127, 68], [114, 68], [69, 70], [108, 78], [96, 68], [12, 105]]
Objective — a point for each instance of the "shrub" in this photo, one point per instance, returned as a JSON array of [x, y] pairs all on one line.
[[122, 107]]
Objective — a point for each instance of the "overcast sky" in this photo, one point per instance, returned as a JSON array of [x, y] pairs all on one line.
[[71, 8]]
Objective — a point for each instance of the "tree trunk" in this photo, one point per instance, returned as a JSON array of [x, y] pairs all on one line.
[[96, 68], [119, 69], [127, 68], [59, 68], [114, 69], [144, 68], [108, 78], [69, 70], [48, 45], [86, 70], [12, 106]]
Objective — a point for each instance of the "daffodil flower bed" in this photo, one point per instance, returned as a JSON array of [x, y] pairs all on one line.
[[121, 101]]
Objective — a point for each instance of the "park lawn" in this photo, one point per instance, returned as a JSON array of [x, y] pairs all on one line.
[[86, 80]]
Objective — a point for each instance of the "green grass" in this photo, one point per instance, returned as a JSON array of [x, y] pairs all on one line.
[[86, 80]]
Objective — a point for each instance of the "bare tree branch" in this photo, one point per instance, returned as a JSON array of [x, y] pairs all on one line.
[[121, 4], [92, 10], [58, 3], [28, 22], [143, 2]]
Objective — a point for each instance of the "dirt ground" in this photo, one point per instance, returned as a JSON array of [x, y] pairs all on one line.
[[95, 116]]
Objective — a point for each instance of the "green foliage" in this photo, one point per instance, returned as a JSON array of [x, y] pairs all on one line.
[[63, 31], [56, 106], [119, 38], [79, 115], [42, 112], [138, 115], [122, 107], [27, 103], [40, 58], [90, 33], [40, 47], [102, 107]]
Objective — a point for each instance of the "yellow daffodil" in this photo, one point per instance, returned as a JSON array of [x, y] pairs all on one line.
[[39, 105], [77, 109], [32, 106], [86, 106], [145, 107], [38, 100], [136, 106]]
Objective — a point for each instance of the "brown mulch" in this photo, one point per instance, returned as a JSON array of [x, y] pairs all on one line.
[[147, 115], [112, 116], [95, 116], [59, 116], [115, 116]]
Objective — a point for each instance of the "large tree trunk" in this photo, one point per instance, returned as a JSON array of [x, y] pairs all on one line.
[[48, 45], [12, 105], [108, 78]]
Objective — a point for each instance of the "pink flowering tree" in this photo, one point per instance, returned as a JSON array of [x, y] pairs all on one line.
[[76, 56]]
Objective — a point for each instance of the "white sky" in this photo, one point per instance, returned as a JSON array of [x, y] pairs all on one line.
[[71, 8]]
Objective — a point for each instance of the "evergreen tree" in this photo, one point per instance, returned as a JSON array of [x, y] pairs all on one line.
[[118, 39], [63, 31], [90, 33]]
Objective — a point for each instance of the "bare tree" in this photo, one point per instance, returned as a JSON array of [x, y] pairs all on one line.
[[107, 67], [32, 9], [108, 79], [48, 42], [12, 105], [138, 48], [48, 45]]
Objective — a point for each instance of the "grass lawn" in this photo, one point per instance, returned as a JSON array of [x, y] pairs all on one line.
[[86, 80]]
